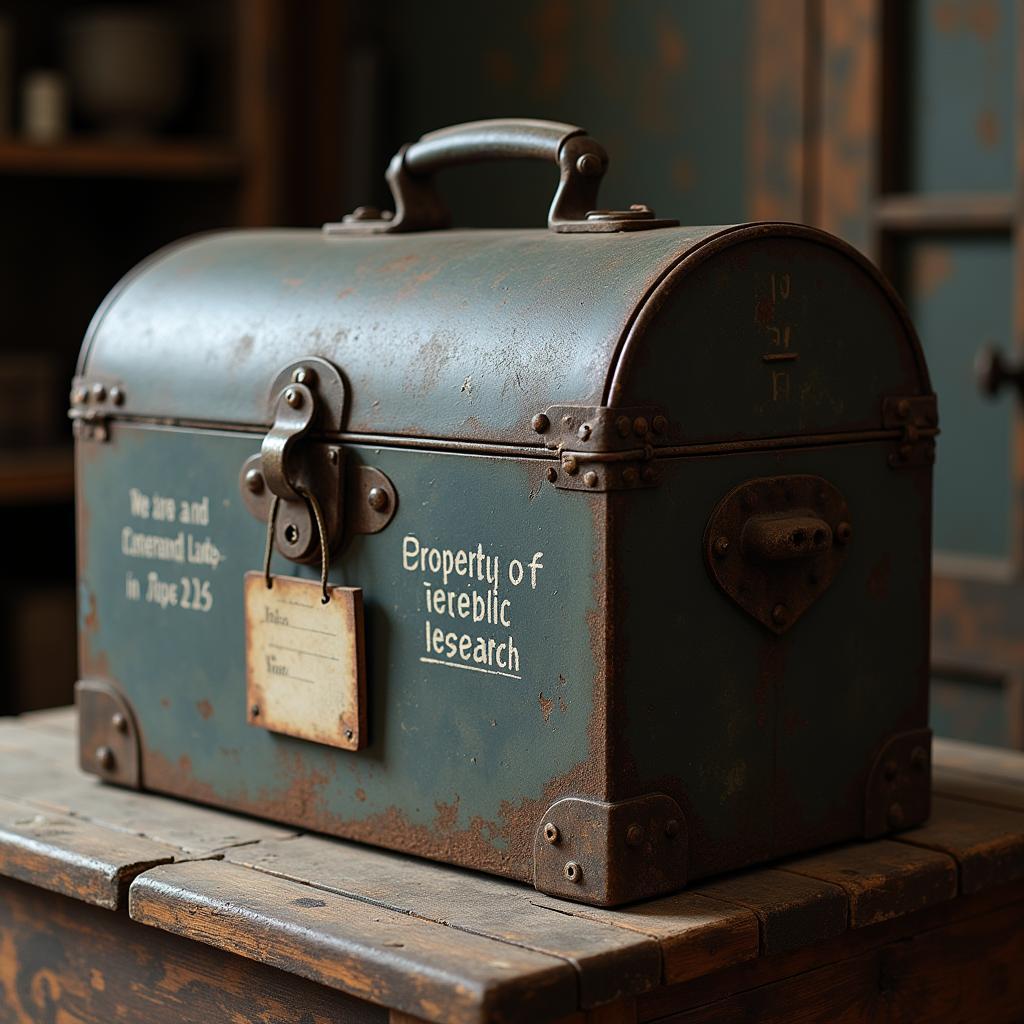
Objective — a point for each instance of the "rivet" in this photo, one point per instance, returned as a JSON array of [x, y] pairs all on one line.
[[551, 833], [623, 426], [79, 395], [293, 398], [304, 375], [640, 426], [843, 532], [568, 422], [254, 481], [895, 816], [671, 828], [891, 769], [780, 614], [919, 758], [590, 478], [349, 734], [584, 432], [118, 722], [660, 424], [572, 871], [105, 758], [332, 456], [117, 395], [291, 533], [634, 835], [649, 475], [551, 473], [589, 165], [377, 499], [570, 465], [720, 547], [903, 407], [255, 711], [540, 423], [630, 475], [99, 391]]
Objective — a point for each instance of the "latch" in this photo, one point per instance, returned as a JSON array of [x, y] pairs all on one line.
[[307, 401], [917, 419]]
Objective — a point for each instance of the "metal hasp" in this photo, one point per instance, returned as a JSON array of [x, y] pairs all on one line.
[[898, 792], [581, 163], [917, 419], [775, 544], [611, 853], [108, 738]]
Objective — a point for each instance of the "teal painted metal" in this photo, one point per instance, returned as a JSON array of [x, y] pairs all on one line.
[[769, 350]]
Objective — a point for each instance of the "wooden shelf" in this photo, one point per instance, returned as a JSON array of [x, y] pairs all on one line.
[[952, 211], [100, 158], [37, 475]]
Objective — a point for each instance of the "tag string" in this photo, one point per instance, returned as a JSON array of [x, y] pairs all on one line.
[[321, 530]]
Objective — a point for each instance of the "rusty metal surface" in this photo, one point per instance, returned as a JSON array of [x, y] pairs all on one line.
[[899, 789], [108, 736], [774, 545]]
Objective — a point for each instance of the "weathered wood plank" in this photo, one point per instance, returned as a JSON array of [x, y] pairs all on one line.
[[385, 957], [73, 857], [986, 842], [65, 962], [697, 934], [611, 962], [882, 879], [63, 721], [792, 910]]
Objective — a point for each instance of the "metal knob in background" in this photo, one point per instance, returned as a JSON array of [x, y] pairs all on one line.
[[994, 371]]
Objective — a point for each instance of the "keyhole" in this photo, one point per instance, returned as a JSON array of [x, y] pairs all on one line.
[[291, 533]]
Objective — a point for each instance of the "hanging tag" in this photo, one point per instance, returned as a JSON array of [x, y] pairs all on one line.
[[305, 672]]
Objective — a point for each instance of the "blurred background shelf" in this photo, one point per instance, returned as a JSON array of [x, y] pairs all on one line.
[[36, 476], [88, 158]]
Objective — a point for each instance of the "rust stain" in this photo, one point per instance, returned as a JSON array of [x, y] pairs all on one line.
[[344, 293], [291, 282], [447, 815], [205, 709], [546, 707], [361, 794], [987, 128], [165, 702]]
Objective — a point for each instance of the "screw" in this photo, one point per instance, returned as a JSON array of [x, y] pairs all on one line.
[[291, 533], [843, 532], [117, 395], [640, 426], [79, 395], [671, 828], [377, 498], [895, 815], [623, 426], [255, 711], [590, 478], [105, 759], [572, 871], [584, 432], [540, 423], [349, 734], [119, 722], [919, 758], [630, 475], [304, 375], [551, 834], [720, 547], [551, 473], [293, 398], [780, 614], [589, 165], [570, 465], [99, 391], [634, 835], [332, 456], [891, 770], [660, 424], [254, 481]]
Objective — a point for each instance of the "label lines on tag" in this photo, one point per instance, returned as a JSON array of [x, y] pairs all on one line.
[[299, 650], [469, 668]]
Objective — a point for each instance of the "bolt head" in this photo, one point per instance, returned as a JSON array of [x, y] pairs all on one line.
[[332, 456], [671, 828], [584, 432], [540, 423], [844, 532], [255, 711], [659, 424], [630, 475], [304, 375], [551, 473], [293, 397], [349, 734], [377, 498], [589, 165], [640, 426], [780, 614], [903, 407], [117, 395], [118, 722], [551, 833], [634, 835], [571, 465], [79, 395], [99, 392], [572, 871], [623, 426], [720, 547], [105, 759], [590, 478], [254, 481]]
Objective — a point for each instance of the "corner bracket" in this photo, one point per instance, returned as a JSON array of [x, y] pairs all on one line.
[[108, 737], [898, 791]]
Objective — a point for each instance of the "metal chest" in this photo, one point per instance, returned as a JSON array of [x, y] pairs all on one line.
[[635, 521]]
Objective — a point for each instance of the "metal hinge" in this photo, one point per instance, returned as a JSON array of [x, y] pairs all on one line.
[[601, 448], [917, 419], [93, 402]]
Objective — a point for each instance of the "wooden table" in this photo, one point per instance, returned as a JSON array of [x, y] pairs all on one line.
[[120, 906]]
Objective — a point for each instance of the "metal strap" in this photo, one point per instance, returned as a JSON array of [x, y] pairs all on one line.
[[321, 533], [271, 523]]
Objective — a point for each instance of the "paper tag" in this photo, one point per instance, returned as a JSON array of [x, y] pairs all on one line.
[[305, 673]]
